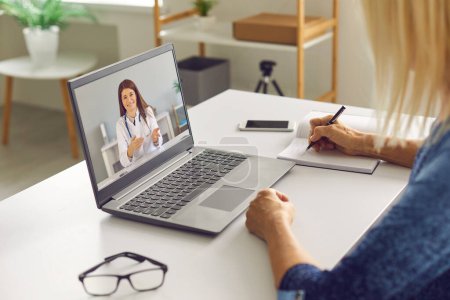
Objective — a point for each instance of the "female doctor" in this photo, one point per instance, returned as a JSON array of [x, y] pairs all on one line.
[[137, 130]]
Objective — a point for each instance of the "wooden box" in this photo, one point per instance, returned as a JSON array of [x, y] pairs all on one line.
[[275, 28]]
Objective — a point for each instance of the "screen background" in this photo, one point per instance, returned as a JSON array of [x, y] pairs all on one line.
[[98, 101]]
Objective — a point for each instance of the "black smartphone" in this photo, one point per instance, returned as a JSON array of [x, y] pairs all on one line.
[[267, 125]]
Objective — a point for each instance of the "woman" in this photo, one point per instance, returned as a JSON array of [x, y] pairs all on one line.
[[406, 256], [137, 130]]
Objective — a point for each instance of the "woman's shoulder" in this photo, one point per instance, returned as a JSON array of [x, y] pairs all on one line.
[[120, 122], [434, 160], [439, 140]]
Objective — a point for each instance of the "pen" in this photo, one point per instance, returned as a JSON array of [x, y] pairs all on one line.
[[332, 120]]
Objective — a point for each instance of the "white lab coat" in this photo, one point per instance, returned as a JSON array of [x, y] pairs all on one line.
[[138, 129]]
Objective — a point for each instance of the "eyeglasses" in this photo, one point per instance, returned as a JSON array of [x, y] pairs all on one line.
[[141, 281]]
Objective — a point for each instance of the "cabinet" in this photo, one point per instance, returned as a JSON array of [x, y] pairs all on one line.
[[221, 34]]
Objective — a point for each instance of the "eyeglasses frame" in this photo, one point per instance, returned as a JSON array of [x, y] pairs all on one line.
[[134, 256]]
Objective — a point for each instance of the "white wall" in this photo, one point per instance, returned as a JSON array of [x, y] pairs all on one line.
[[125, 33]]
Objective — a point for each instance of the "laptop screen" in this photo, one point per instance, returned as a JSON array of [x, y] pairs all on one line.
[[129, 114]]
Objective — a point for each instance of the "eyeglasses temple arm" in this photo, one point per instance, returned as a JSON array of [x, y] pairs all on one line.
[[82, 275], [131, 255], [155, 262]]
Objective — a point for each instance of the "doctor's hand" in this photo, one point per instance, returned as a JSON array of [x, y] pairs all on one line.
[[135, 143], [155, 136], [335, 136], [269, 207]]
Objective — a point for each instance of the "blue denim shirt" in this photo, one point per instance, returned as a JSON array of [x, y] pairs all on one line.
[[406, 255]]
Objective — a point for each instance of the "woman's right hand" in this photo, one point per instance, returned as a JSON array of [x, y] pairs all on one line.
[[335, 136], [269, 208], [135, 143]]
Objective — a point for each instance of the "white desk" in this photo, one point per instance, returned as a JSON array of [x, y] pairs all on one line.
[[52, 231]]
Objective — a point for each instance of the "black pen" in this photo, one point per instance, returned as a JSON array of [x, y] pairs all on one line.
[[332, 120]]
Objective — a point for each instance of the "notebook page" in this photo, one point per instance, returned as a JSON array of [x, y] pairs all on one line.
[[336, 160], [365, 124]]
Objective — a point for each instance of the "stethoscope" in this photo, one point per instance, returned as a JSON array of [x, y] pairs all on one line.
[[126, 124]]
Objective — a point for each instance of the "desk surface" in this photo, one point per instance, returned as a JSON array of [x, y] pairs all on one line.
[[52, 231]]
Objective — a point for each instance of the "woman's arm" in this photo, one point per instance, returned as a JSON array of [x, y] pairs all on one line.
[[155, 133], [353, 142], [397, 259], [402, 153], [125, 161], [269, 217], [284, 251]]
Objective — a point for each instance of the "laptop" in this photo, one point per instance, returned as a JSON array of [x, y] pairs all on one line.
[[150, 170]]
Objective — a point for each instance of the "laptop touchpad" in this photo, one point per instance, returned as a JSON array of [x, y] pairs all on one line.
[[226, 198]]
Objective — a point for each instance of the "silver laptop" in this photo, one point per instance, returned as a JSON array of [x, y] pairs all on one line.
[[140, 151]]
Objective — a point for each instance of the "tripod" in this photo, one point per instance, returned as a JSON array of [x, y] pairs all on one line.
[[266, 67]]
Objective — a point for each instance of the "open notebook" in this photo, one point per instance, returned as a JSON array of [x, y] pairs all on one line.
[[336, 160]]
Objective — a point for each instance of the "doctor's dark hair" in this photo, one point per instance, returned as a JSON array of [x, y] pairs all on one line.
[[140, 102]]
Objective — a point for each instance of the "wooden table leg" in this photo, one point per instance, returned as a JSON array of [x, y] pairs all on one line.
[[69, 119], [7, 108], [201, 49]]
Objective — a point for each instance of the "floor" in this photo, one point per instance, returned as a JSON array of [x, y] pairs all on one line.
[[38, 148]]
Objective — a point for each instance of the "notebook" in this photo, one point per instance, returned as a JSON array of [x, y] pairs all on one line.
[[296, 151], [150, 170]]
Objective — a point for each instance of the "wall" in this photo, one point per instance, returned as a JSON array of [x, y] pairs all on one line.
[[126, 32]]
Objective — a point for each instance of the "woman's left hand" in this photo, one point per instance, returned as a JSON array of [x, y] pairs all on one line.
[[155, 135], [269, 207]]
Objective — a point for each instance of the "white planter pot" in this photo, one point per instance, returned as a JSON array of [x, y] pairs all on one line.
[[42, 45], [203, 23]]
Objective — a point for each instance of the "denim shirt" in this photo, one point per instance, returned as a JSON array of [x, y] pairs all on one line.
[[406, 255]]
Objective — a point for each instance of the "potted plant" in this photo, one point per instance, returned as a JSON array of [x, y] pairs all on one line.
[[203, 7], [42, 21]]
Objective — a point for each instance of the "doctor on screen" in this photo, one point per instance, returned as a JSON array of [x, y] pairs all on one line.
[[137, 130]]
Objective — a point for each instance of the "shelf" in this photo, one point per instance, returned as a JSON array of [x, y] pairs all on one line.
[[221, 33], [310, 32]]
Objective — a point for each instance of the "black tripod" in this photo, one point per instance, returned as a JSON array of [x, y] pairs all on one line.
[[266, 67]]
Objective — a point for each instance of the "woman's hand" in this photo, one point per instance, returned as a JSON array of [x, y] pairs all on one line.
[[135, 143], [270, 217], [155, 136], [335, 136], [270, 207]]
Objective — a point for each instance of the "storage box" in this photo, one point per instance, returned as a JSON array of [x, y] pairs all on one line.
[[275, 28], [203, 78]]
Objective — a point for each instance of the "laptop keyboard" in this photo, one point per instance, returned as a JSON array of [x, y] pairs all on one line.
[[172, 193]]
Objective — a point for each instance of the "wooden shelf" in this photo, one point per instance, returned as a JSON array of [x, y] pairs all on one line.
[[311, 31], [221, 33]]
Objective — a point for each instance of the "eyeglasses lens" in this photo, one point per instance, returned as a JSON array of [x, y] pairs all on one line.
[[147, 279], [100, 285]]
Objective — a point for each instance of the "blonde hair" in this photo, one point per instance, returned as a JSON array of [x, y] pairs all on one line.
[[411, 47]]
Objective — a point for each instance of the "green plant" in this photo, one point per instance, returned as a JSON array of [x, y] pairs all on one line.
[[176, 86], [44, 13], [204, 6]]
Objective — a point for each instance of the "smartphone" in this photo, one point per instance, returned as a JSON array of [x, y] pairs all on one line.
[[267, 125]]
